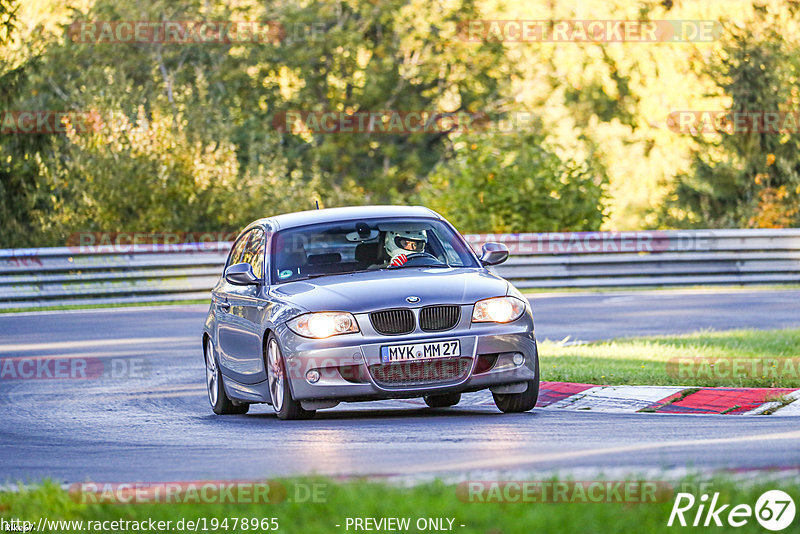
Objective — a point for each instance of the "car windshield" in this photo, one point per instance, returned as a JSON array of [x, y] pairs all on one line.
[[364, 245]]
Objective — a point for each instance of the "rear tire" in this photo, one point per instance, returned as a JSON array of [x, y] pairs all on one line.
[[220, 403], [280, 394], [442, 401]]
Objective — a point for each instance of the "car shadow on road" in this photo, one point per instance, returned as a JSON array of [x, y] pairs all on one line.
[[392, 413]]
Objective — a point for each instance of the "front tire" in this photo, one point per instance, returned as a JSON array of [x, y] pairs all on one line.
[[442, 401], [285, 406], [219, 401], [518, 402]]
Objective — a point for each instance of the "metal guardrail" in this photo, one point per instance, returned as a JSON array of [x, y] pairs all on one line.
[[141, 273], [650, 258], [109, 274]]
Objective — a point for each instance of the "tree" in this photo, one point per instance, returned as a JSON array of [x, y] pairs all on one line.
[[210, 154], [515, 183], [368, 56], [747, 174]]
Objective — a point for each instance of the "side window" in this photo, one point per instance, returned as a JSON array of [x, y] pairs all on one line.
[[254, 252], [236, 252]]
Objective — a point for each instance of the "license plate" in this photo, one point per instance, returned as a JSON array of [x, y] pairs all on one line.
[[420, 351]]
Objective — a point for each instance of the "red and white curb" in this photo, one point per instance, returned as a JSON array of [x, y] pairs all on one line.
[[645, 399], [780, 408], [616, 398], [669, 399]]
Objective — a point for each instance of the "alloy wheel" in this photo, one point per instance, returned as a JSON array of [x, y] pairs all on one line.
[[212, 373], [275, 375]]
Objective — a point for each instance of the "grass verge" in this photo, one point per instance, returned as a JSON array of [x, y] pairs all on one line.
[[736, 358], [110, 305], [335, 502]]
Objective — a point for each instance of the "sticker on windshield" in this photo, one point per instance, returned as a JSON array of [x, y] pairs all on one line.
[[285, 274]]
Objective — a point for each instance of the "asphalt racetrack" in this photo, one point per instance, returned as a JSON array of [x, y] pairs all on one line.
[[153, 421]]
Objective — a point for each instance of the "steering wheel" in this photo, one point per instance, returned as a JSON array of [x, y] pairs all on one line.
[[415, 256]]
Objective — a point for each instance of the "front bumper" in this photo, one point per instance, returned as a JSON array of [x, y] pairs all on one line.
[[350, 365]]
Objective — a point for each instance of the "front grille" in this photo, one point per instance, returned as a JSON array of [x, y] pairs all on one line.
[[403, 374], [393, 322], [439, 318]]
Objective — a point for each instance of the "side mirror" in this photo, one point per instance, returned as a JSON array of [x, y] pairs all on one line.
[[493, 254], [241, 274]]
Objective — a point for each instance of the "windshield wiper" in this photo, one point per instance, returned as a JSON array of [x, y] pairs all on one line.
[[308, 276], [379, 269], [318, 275], [423, 266]]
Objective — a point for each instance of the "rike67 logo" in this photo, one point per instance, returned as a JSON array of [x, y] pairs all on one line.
[[774, 510]]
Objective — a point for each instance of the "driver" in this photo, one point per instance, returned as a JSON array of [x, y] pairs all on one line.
[[399, 244]]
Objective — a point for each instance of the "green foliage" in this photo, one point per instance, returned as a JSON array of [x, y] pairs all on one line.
[[190, 135], [216, 155], [366, 56], [146, 173], [747, 176], [592, 99], [8, 17], [515, 183]]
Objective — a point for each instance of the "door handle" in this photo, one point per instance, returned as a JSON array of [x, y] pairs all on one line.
[[224, 306]]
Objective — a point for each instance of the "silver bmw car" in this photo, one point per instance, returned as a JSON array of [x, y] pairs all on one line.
[[364, 303]]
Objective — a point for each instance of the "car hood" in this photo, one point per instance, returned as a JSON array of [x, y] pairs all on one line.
[[368, 291]]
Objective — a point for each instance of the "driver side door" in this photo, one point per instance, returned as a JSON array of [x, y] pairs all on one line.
[[239, 314]]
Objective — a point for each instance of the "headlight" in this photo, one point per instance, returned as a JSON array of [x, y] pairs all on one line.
[[497, 310], [323, 324]]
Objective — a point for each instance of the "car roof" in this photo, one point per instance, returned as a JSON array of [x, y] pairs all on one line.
[[302, 218]]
